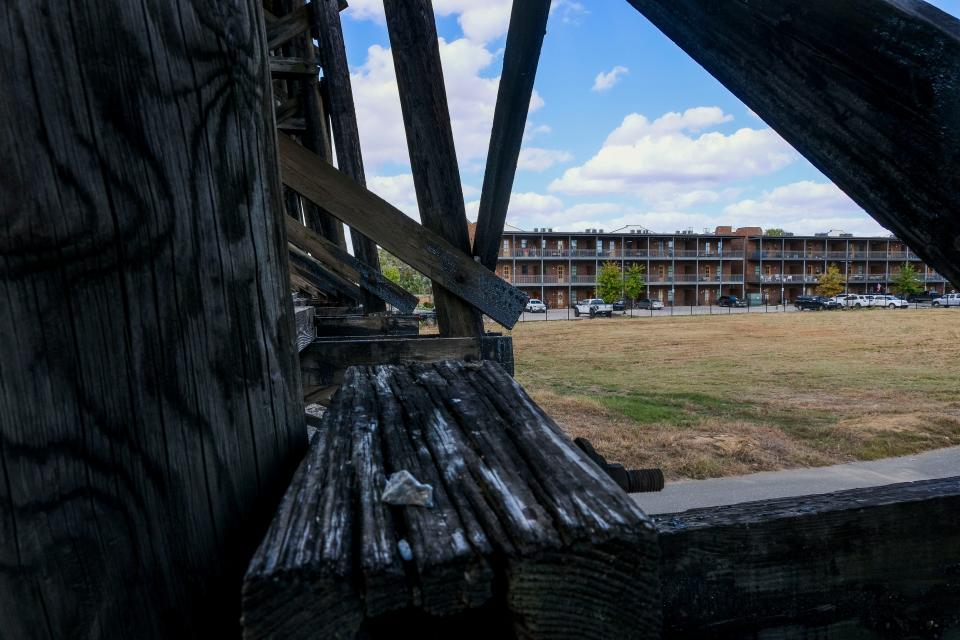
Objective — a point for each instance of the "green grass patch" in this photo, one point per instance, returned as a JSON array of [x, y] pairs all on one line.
[[678, 409]]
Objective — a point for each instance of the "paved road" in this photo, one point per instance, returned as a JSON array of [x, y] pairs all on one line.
[[693, 494], [567, 314]]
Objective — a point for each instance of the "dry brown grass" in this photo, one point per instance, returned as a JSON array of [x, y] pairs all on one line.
[[707, 396]]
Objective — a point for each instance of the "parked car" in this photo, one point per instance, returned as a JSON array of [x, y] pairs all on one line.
[[815, 303], [925, 296], [947, 300], [535, 306], [730, 301], [647, 303], [890, 302], [854, 301], [619, 305], [593, 307]]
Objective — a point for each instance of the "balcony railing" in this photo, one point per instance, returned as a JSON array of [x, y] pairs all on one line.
[[785, 277]]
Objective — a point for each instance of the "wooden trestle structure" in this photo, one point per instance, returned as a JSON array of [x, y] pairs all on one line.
[[170, 179]]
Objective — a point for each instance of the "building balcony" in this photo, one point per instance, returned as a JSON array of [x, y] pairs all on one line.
[[789, 278]]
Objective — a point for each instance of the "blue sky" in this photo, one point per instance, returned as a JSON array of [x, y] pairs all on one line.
[[624, 128]]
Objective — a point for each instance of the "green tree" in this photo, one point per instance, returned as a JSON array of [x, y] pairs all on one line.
[[404, 275], [776, 232], [634, 283], [832, 282], [609, 282], [907, 281]]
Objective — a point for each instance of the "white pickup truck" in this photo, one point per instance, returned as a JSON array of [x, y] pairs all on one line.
[[593, 307]]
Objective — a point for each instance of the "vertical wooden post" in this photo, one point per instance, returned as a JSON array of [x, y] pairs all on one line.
[[528, 24], [149, 393], [343, 116], [436, 177]]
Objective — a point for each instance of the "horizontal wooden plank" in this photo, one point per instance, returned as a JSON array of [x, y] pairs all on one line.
[[285, 28], [866, 563], [294, 68], [425, 251], [350, 268], [378, 325]]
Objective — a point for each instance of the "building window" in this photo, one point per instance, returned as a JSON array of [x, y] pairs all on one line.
[[523, 269], [613, 247], [706, 247], [523, 244], [560, 245], [543, 243], [506, 272], [573, 245], [573, 270], [506, 247]]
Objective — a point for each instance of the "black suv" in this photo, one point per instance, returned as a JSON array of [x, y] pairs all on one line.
[[926, 296], [816, 303], [730, 301]]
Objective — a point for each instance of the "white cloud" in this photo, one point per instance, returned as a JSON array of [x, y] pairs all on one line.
[[665, 166], [470, 96], [804, 207], [480, 21], [636, 127], [524, 205], [398, 190], [538, 159], [605, 81]]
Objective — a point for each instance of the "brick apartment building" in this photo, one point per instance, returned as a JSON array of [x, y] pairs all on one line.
[[689, 268]]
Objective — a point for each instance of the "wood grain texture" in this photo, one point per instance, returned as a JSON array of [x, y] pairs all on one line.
[[882, 562], [433, 159], [325, 23], [867, 90], [528, 24], [379, 325], [416, 245], [320, 277], [149, 409], [287, 27], [525, 528], [345, 265]]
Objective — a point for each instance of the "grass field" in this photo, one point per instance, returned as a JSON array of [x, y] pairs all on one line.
[[707, 396]]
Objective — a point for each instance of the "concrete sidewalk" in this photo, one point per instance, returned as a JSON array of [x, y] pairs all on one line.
[[693, 494]]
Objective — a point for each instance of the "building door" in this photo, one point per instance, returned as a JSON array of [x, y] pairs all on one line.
[[506, 248], [560, 299], [506, 272], [560, 272]]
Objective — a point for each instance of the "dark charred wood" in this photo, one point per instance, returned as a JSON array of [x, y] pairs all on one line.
[[426, 251], [149, 395], [376, 325], [867, 90], [528, 24], [525, 530], [293, 68], [343, 118], [346, 266], [433, 159], [882, 562], [306, 327], [320, 277], [285, 28]]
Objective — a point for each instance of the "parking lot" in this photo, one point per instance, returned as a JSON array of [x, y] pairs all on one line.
[[701, 310]]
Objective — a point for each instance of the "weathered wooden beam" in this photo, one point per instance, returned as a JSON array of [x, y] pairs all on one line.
[[524, 536], [433, 159], [528, 24], [293, 68], [346, 266], [150, 415], [878, 562], [419, 247], [320, 276], [306, 327], [867, 90], [285, 28], [343, 117], [378, 325]]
